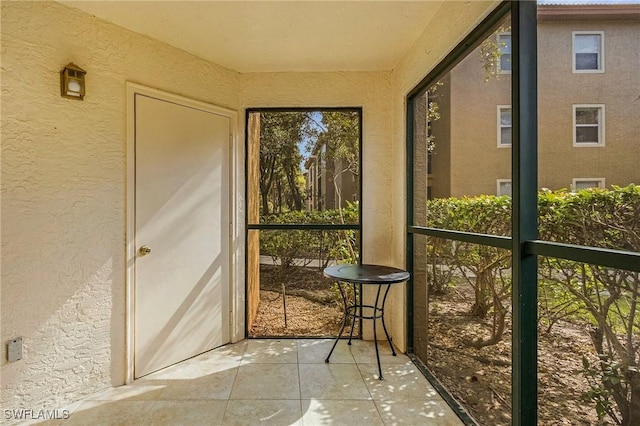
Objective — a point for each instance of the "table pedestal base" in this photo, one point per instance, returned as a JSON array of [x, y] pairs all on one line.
[[357, 311]]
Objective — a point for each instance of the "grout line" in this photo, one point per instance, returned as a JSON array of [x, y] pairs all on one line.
[[375, 404], [301, 417], [235, 378], [226, 406], [299, 375]]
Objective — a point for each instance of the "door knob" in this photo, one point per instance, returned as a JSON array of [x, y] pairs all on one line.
[[144, 250]]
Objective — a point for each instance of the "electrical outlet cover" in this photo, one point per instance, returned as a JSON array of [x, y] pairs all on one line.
[[14, 349]]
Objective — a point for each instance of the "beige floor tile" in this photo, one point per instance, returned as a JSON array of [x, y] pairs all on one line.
[[135, 391], [253, 383], [343, 412], [188, 370], [332, 381], [281, 351], [365, 352], [401, 382], [315, 351], [265, 412], [225, 354], [435, 413], [267, 381], [103, 413], [186, 413], [210, 386]]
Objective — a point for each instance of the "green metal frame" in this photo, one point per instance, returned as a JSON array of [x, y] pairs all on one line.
[[303, 226], [524, 243], [298, 226], [524, 219]]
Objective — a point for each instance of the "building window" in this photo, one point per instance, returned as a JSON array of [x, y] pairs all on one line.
[[588, 125], [588, 51], [585, 183], [504, 126], [504, 187], [504, 49]]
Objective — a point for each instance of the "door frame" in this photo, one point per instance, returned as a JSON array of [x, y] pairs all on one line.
[[235, 241]]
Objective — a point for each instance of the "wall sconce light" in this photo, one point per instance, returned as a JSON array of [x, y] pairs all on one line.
[[72, 82]]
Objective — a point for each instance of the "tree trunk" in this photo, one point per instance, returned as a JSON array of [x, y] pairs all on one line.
[[295, 192], [480, 306], [265, 203], [633, 415]]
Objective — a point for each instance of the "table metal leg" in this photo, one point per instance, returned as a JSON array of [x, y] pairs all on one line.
[[375, 334], [356, 305], [344, 322], [358, 310], [384, 325], [378, 313]]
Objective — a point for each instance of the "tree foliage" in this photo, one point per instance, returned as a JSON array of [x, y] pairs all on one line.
[[281, 182], [490, 52], [340, 133]]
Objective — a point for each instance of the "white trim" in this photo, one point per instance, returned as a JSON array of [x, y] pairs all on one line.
[[236, 205], [600, 69], [499, 127], [601, 182], [500, 181], [601, 126], [499, 69]]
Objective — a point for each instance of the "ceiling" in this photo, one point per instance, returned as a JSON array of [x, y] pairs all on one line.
[[269, 36]]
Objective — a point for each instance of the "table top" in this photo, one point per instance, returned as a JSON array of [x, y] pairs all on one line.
[[366, 274]]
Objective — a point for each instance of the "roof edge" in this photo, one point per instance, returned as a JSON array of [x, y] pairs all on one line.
[[610, 12]]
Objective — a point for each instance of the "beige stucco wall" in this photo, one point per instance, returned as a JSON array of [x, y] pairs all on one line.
[[617, 88], [369, 90], [474, 101], [63, 193], [451, 24], [476, 160]]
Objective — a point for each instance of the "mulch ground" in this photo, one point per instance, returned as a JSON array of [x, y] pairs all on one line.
[[480, 379], [313, 308]]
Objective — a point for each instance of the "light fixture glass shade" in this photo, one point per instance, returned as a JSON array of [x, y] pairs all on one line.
[[72, 82], [73, 87]]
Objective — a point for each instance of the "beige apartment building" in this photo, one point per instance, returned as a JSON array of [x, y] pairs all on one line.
[[329, 183], [589, 120]]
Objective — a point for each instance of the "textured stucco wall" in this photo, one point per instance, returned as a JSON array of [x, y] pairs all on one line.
[[453, 21], [369, 90], [63, 193], [617, 88], [476, 161], [473, 114]]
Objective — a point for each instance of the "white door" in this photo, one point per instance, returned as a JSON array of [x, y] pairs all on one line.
[[182, 219]]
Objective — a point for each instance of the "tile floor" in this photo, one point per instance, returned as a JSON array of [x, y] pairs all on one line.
[[274, 382]]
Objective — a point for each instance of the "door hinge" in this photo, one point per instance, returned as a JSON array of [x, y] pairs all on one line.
[[231, 229]]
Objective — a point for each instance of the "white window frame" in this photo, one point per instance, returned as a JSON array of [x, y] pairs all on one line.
[[500, 127], [600, 69], [499, 68], [498, 183], [575, 181], [601, 126]]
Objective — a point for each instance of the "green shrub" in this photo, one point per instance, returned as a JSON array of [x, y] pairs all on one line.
[[294, 246], [604, 299]]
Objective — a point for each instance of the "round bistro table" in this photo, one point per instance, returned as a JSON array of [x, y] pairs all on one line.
[[380, 276]]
